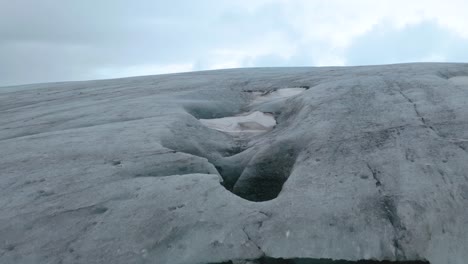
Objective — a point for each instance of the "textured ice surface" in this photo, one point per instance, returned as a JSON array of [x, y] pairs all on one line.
[[460, 80], [261, 97], [368, 163]]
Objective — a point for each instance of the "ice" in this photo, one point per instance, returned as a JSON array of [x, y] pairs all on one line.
[[250, 123], [460, 80], [276, 95]]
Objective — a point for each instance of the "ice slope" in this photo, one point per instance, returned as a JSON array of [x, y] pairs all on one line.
[[361, 163]]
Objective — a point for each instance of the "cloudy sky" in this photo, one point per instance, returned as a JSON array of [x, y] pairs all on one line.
[[58, 40]]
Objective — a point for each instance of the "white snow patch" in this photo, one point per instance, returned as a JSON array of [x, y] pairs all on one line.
[[254, 122], [459, 80], [250, 123], [276, 95]]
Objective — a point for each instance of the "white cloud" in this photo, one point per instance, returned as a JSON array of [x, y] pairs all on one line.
[[153, 37], [330, 27], [244, 53], [434, 58], [143, 69]]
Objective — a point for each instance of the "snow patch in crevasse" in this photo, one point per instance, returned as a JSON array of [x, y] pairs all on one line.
[[251, 123], [459, 80], [261, 97]]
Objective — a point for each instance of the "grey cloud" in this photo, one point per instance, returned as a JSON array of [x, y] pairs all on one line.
[[51, 40], [68, 40]]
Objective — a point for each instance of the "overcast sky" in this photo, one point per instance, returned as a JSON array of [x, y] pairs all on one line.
[[58, 40]]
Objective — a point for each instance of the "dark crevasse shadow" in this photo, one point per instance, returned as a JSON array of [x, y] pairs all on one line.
[[266, 173]]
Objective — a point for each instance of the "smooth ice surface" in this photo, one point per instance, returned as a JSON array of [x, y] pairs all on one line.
[[251, 123], [276, 95], [368, 163], [460, 80]]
